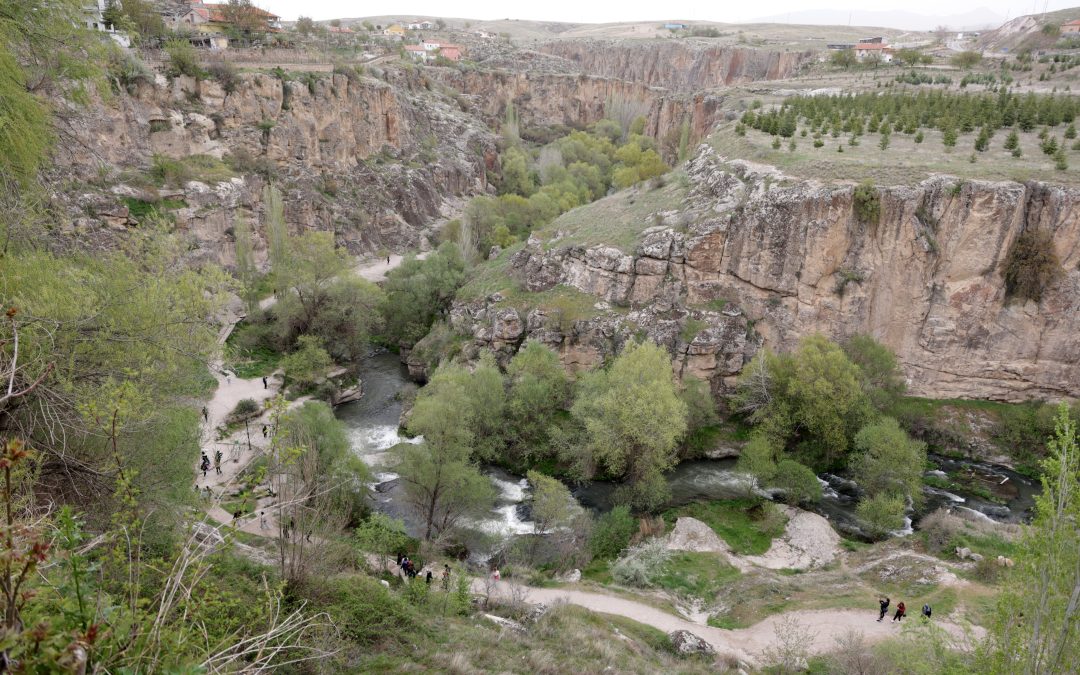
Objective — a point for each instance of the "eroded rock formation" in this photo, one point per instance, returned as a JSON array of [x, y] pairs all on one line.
[[764, 259]]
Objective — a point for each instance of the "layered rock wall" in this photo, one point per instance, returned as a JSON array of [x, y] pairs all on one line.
[[684, 66], [784, 259]]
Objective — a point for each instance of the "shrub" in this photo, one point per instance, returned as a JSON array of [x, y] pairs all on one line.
[[183, 59], [867, 203], [245, 408], [881, 514], [168, 171], [612, 533], [642, 564], [1031, 265], [127, 71], [797, 481], [225, 74]]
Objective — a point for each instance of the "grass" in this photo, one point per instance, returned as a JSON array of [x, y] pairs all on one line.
[[904, 162], [140, 209], [617, 220], [742, 523], [697, 575], [249, 362]]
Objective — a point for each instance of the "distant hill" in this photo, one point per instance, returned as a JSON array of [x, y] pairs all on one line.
[[976, 19], [1026, 32]]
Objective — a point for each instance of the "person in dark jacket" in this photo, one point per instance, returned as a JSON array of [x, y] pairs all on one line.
[[926, 610], [884, 604], [900, 610]]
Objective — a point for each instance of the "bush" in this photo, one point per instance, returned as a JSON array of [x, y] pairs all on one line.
[[127, 71], [881, 514], [225, 74], [797, 481], [245, 407], [867, 203], [1031, 265], [168, 171], [612, 533], [183, 59], [642, 564]]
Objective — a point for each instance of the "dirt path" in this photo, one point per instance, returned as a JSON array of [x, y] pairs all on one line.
[[745, 644], [245, 445]]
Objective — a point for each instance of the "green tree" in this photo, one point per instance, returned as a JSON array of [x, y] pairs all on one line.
[[888, 462], [379, 533], [633, 419], [309, 364], [881, 514], [538, 391], [516, 178], [878, 370], [967, 60], [797, 481], [441, 484], [277, 232], [1036, 628], [418, 291], [814, 395], [843, 58], [346, 316], [612, 533], [304, 25]]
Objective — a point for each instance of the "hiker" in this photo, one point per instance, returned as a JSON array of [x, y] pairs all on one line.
[[237, 515], [265, 429], [404, 565], [265, 385], [495, 575], [400, 556], [262, 520], [217, 461], [446, 577], [387, 260], [428, 578], [204, 465], [900, 609], [884, 602], [926, 610], [205, 414]]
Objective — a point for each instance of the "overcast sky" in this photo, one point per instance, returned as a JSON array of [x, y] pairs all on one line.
[[595, 11]]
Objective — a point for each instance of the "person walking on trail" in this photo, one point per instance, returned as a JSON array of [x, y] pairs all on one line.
[[446, 578], [204, 464], [262, 520], [884, 603], [265, 385], [217, 461], [900, 610], [265, 430], [926, 610], [495, 575], [428, 578], [205, 414], [387, 260]]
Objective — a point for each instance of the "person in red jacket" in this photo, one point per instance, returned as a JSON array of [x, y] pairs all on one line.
[[900, 609]]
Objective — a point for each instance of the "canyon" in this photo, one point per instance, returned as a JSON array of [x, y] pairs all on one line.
[[755, 259]]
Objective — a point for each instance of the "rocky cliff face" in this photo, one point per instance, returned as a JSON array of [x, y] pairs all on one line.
[[681, 65], [372, 160], [580, 100], [760, 259]]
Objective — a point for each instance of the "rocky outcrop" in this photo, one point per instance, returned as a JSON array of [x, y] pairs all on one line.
[[579, 100], [786, 258], [683, 65], [373, 160], [808, 542], [686, 643], [690, 534]]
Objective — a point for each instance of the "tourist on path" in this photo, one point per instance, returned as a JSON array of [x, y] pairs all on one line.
[[205, 414], [926, 611], [217, 461], [265, 385], [884, 603], [900, 610]]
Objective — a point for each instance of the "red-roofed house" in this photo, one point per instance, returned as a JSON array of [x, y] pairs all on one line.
[[1071, 27], [220, 14], [446, 50], [417, 52], [873, 50]]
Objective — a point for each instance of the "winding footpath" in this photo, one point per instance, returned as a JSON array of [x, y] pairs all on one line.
[[745, 644], [240, 448]]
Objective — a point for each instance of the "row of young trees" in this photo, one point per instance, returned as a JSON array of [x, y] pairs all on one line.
[[625, 422]]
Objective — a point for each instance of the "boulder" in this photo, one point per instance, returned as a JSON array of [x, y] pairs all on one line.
[[509, 624], [688, 644], [571, 577], [963, 552], [808, 542], [690, 534], [1002, 561]]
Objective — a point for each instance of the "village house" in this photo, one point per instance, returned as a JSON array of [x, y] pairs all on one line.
[[213, 18], [870, 51], [1071, 27], [94, 12], [417, 52], [394, 31]]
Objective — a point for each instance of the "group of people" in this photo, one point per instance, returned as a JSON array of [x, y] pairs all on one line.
[[408, 567], [901, 610]]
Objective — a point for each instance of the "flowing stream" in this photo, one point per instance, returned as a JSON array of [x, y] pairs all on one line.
[[372, 424], [995, 492]]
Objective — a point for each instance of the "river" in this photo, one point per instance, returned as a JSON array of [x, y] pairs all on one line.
[[372, 424]]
